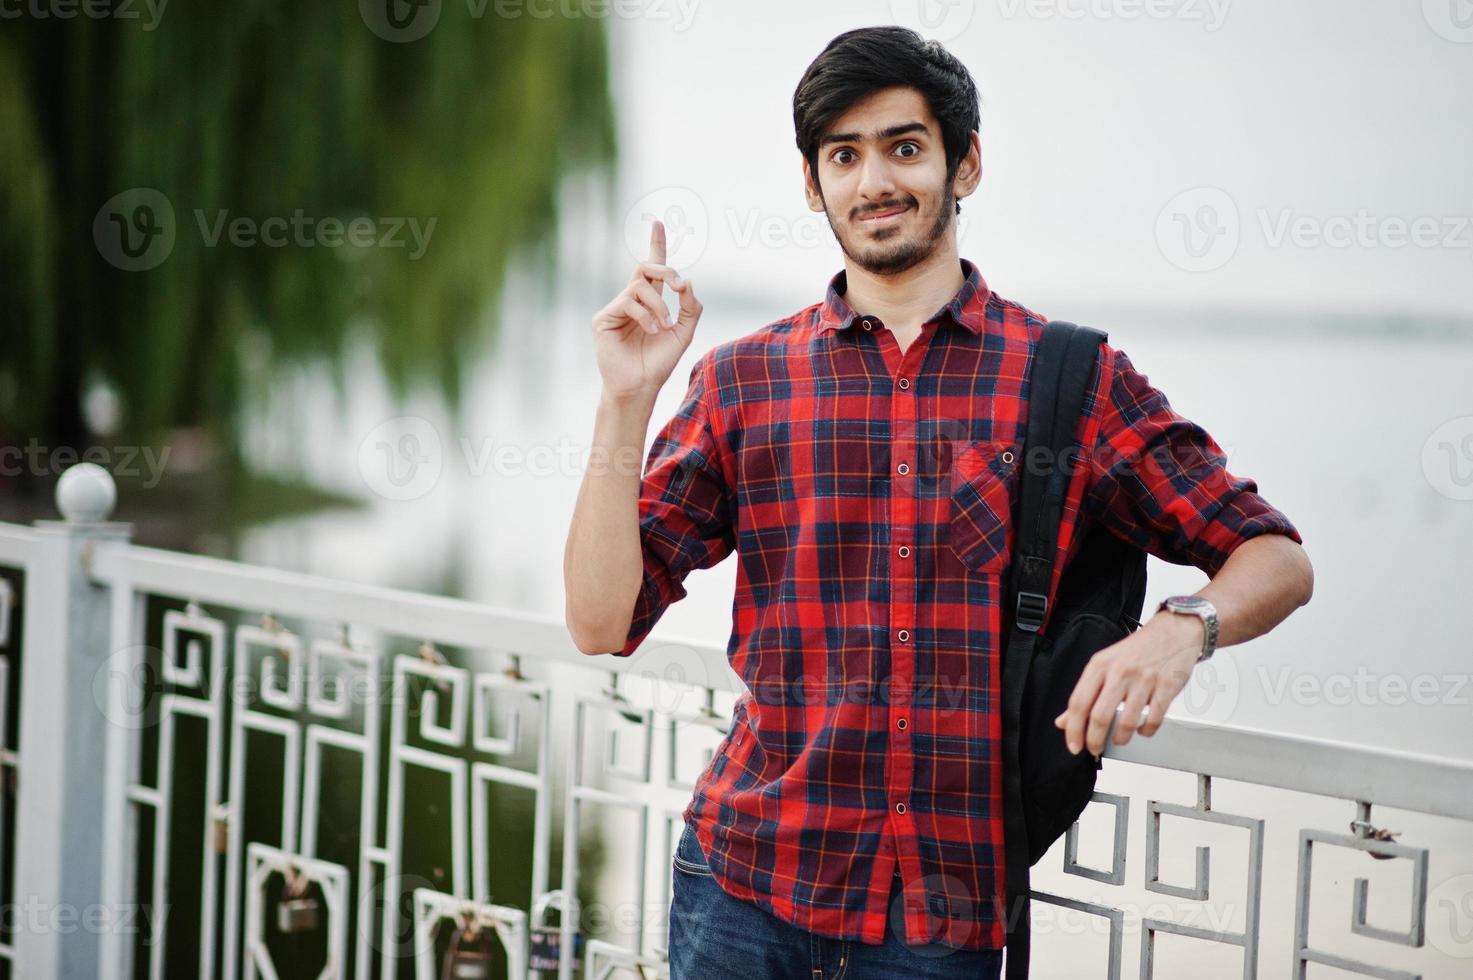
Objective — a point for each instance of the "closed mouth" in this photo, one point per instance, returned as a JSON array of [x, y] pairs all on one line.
[[884, 215]]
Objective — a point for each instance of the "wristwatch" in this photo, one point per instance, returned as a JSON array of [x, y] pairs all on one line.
[[1195, 605]]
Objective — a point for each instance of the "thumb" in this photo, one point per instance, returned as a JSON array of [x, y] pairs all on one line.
[[690, 306]]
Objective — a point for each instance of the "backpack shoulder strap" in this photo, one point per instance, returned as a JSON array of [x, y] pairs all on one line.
[[1062, 368], [1063, 365]]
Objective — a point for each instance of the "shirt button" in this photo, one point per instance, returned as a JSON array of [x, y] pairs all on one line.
[[900, 808], [866, 323], [900, 724], [902, 469], [904, 383], [903, 551], [903, 635]]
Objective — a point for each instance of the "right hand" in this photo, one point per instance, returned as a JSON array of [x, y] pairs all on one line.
[[636, 343]]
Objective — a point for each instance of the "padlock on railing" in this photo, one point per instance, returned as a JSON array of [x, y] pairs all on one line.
[[545, 941], [546, 944], [1362, 828], [297, 915], [220, 830], [469, 955], [297, 911]]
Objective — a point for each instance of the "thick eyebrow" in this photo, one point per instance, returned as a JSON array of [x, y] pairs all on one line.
[[884, 134]]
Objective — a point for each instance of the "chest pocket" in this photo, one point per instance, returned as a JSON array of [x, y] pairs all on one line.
[[984, 485]]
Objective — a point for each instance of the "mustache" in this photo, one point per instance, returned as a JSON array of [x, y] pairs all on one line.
[[880, 208]]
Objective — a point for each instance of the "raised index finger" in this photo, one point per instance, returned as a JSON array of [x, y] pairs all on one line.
[[657, 242]]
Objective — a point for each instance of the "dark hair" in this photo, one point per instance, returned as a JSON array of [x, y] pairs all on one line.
[[867, 59]]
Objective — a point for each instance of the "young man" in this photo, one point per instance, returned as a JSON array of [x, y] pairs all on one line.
[[861, 458]]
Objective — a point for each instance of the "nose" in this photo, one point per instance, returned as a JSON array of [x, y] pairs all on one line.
[[875, 182]]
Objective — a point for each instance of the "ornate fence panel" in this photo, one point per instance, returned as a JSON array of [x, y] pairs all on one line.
[[17, 551], [258, 774], [1288, 794]]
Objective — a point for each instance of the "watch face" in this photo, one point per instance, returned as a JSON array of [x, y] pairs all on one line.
[[1189, 603]]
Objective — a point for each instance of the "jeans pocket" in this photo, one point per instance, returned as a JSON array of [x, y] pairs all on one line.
[[688, 856]]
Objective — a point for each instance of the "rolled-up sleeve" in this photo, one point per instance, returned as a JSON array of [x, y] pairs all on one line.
[[685, 510], [1162, 483]]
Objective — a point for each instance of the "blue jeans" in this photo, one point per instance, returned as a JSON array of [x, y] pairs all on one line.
[[716, 936]]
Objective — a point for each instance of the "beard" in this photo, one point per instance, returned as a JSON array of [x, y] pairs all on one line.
[[888, 258]]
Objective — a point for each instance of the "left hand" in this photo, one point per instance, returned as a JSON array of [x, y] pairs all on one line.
[[1149, 667]]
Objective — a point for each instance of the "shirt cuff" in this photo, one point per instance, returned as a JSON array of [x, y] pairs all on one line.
[[1245, 515], [658, 588]]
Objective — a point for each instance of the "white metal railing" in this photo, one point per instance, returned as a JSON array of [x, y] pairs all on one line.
[[280, 749], [18, 550]]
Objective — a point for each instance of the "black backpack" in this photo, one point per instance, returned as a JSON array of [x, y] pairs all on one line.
[[1099, 600]]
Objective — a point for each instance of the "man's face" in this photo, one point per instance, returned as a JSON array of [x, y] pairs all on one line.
[[882, 174]]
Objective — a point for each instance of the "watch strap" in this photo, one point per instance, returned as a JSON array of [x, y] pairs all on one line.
[[1209, 623]]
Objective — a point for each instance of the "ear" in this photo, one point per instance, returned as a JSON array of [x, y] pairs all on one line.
[[810, 188], [969, 171]]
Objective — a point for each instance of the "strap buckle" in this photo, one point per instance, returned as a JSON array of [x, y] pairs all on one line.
[[1030, 611]]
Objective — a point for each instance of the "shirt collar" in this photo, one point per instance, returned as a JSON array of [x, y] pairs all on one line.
[[967, 308]]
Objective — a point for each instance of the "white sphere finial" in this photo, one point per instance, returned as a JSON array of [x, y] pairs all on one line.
[[86, 493]]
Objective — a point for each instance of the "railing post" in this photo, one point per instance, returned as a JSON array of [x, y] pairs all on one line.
[[59, 916]]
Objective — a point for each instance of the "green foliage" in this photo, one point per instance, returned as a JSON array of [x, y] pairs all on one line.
[[263, 108]]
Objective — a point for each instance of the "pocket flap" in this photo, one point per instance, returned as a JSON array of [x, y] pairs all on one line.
[[984, 476]]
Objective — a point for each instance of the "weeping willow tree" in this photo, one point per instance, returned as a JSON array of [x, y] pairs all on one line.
[[260, 109]]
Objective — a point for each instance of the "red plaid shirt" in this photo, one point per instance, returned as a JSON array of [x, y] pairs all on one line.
[[868, 493]]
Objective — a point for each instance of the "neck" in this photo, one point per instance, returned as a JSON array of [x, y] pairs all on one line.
[[905, 300]]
